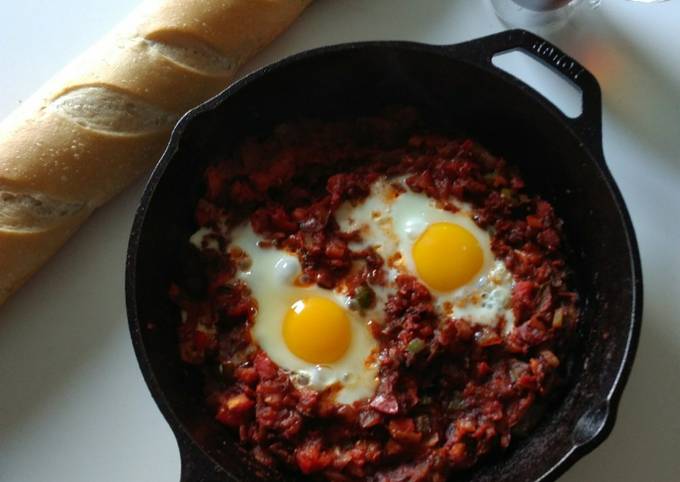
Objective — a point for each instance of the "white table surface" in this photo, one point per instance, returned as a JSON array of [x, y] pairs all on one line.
[[73, 404]]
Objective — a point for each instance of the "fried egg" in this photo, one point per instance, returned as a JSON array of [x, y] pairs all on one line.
[[306, 330], [445, 250]]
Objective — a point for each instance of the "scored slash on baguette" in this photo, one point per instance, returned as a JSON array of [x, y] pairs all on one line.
[[101, 108], [106, 118], [192, 53], [33, 212]]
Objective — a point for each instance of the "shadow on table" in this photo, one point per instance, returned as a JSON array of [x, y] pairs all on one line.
[[44, 347], [647, 421], [636, 88], [645, 98]]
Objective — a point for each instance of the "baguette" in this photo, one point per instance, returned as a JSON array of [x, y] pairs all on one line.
[[106, 118]]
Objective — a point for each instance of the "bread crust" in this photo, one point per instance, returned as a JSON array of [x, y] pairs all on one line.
[[106, 118]]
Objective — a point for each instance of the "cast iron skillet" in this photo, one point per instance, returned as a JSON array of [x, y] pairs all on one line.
[[453, 86]]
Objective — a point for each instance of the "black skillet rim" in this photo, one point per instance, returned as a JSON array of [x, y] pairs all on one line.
[[589, 132]]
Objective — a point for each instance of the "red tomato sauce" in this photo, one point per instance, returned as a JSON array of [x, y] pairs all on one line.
[[444, 401]]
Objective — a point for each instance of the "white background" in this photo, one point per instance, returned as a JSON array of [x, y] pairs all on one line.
[[73, 405]]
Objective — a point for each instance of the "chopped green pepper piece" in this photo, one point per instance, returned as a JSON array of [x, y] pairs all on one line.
[[506, 193], [558, 318], [364, 296], [415, 346]]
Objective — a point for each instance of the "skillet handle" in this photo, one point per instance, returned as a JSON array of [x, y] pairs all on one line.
[[589, 124]]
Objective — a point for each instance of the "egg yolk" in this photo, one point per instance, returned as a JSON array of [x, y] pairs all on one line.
[[317, 330], [447, 256]]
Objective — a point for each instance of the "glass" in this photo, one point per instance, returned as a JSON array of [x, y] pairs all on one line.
[[543, 15], [533, 14]]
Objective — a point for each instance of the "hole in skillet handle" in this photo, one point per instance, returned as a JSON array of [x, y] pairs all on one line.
[[588, 124], [559, 90]]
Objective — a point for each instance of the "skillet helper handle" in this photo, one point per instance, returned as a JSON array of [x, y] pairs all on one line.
[[589, 123]]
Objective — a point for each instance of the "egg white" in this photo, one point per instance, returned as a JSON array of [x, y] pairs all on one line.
[[204, 238], [271, 278], [391, 219]]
